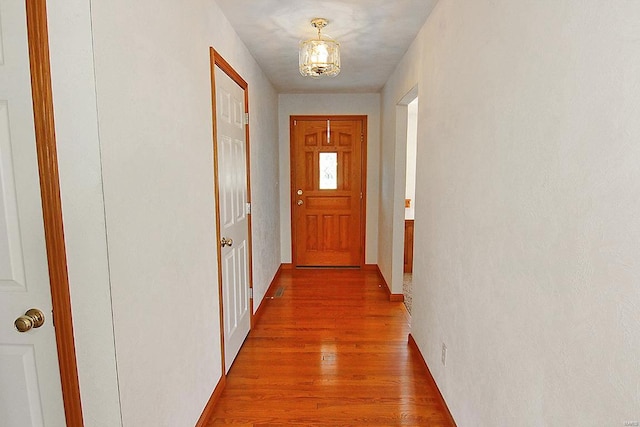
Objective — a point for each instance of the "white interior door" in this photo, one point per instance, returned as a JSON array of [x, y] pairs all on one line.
[[234, 224], [30, 390]]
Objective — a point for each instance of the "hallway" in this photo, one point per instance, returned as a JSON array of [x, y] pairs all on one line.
[[331, 350]]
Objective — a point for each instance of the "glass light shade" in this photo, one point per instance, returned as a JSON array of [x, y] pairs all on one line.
[[319, 58]]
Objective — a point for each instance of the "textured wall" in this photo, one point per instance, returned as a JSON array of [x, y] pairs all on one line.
[[144, 117], [527, 208], [263, 126], [73, 82], [412, 141], [328, 104], [400, 89]]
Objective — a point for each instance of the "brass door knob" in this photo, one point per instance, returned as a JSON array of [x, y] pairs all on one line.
[[300, 202], [33, 318], [226, 242]]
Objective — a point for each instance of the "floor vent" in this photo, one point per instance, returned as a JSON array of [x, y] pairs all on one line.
[[279, 292]]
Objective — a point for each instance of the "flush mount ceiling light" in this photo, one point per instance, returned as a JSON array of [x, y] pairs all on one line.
[[319, 57]]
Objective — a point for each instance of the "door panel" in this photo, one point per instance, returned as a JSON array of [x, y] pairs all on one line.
[[30, 390], [231, 149], [11, 264], [18, 368], [327, 190]]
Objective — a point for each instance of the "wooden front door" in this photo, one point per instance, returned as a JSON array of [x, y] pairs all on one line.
[[328, 189]]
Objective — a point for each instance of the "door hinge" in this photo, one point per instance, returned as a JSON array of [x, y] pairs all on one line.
[[248, 208], [295, 123], [246, 118], [361, 137], [250, 293]]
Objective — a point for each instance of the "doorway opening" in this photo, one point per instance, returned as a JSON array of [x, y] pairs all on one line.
[[410, 196], [404, 195]]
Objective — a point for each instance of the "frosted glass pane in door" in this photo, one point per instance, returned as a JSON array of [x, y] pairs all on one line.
[[328, 171]]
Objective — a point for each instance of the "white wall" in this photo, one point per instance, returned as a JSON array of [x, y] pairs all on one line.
[[144, 117], [398, 92], [527, 225], [331, 104], [76, 119], [263, 128], [412, 148]]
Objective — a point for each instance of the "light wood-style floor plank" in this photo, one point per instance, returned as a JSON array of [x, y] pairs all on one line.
[[332, 351]]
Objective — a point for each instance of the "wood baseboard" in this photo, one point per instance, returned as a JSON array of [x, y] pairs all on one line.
[[392, 297], [396, 297], [286, 266], [215, 396], [412, 343], [384, 282], [258, 314]]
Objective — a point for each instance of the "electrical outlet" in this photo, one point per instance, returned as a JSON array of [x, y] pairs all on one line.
[[444, 354]]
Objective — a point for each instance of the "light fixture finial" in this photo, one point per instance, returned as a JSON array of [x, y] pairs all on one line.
[[319, 23]]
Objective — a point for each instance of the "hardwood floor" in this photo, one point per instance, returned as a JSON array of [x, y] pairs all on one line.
[[331, 351]]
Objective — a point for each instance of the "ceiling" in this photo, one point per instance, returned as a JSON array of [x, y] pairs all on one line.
[[373, 36]]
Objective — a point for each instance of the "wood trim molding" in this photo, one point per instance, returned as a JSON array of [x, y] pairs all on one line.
[[270, 291], [363, 187], [384, 282], [412, 343], [228, 69], [392, 297], [396, 297], [52, 207], [216, 190], [211, 403]]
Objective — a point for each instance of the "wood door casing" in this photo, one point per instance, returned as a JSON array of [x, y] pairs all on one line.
[[328, 223], [408, 246]]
